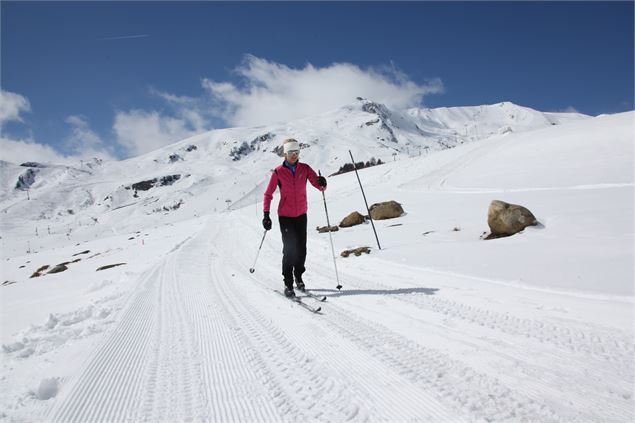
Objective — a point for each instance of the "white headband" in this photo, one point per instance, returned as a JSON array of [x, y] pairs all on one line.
[[291, 146]]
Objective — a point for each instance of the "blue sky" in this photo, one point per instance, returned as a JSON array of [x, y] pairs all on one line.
[[122, 78]]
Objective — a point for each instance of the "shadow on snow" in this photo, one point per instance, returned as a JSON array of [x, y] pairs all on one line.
[[400, 291]]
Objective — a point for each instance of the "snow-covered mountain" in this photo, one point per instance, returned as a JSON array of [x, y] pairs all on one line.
[[229, 167], [155, 316]]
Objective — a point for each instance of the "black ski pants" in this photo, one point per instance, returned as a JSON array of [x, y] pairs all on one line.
[[293, 247]]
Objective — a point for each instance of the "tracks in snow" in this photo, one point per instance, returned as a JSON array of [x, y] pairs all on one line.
[[554, 370], [173, 357], [203, 340], [588, 369]]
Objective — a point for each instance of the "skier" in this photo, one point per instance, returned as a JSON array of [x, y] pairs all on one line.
[[291, 177]]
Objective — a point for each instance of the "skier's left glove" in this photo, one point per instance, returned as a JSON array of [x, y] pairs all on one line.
[[321, 181], [266, 221]]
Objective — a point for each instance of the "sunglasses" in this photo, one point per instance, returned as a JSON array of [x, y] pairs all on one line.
[[293, 152]]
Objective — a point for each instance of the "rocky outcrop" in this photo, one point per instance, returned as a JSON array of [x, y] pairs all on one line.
[[39, 272], [58, 269], [506, 219], [175, 158], [33, 164], [109, 266], [156, 182], [384, 117], [245, 147], [167, 208], [26, 180], [386, 210], [352, 219]]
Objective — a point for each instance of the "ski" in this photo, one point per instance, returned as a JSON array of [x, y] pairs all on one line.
[[299, 302], [308, 293]]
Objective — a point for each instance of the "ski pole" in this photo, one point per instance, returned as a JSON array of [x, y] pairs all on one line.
[[252, 269], [365, 202], [328, 223]]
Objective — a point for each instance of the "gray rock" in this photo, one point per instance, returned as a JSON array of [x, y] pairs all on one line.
[[386, 210], [324, 229], [506, 219], [357, 251], [352, 219]]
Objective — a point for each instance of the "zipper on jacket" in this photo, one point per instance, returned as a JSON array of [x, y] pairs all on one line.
[[295, 193]]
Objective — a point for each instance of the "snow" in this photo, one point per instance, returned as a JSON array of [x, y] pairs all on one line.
[[438, 325]]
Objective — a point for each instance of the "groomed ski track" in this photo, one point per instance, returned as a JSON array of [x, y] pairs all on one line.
[[202, 339]]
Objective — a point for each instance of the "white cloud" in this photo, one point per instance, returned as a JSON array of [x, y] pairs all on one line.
[[11, 106], [191, 110], [20, 151], [83, 142], [140, 131], [274, 92]]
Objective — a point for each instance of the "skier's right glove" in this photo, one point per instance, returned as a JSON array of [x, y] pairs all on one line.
[[266, 221]]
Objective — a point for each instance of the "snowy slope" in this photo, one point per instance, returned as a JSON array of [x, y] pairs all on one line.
[[438, 325], [222, 167]]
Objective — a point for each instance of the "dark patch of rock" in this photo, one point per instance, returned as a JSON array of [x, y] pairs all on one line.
[[26, 180], [245, 147], [175, 158], [151, 183], [108, 266], [39, 271], [324, 229], [357, 251], [33, 164], [58, 269]]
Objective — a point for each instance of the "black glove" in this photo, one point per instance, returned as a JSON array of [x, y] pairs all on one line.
[[321, 181], [266, 221]]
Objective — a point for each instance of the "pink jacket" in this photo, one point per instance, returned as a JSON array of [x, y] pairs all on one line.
[[292, 189]]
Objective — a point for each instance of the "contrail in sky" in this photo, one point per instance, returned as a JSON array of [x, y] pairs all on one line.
[[124, 37]]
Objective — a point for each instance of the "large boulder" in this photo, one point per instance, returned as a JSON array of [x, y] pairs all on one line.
[[506, 219], [386, 210], [352, 219]]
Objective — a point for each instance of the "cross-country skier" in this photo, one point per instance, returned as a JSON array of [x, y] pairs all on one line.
[[291, 177]]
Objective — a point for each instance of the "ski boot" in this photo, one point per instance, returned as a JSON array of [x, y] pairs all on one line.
[[299, 283], [289, 292]]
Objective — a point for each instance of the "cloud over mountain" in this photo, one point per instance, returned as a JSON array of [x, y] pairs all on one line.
[[272, 92]]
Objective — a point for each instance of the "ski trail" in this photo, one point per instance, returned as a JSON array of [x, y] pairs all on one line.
[[113, 364], [359, 393], [436, 377], [540, 356], [589, 359], [167, 359], [302, 392]]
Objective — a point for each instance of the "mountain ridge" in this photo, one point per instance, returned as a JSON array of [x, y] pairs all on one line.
[[228, 168]]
